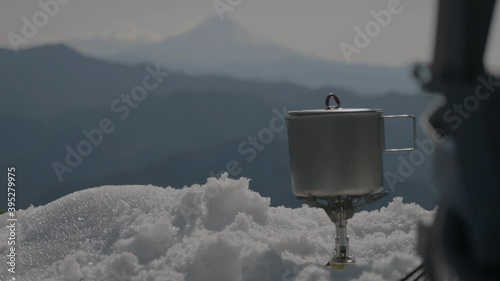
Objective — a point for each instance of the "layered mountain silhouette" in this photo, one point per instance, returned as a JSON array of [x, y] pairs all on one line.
[[224, 47], [184, 129]]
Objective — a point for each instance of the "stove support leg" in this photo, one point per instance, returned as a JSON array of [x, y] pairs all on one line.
[[341, 257], [339, 209], [341, 238]]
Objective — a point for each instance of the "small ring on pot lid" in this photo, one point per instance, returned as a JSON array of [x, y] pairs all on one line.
[[329, 97], [328, 110]]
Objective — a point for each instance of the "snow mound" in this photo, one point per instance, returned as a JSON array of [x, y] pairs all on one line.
[[217, 231]]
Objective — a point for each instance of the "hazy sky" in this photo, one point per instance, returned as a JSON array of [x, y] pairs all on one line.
[[316, 27]]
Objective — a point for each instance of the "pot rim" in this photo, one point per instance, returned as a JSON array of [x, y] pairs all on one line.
[[333, 111]]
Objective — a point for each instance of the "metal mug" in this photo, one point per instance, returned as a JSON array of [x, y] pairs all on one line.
[[338, 151]]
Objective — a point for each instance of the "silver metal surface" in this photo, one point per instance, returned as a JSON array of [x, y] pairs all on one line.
[[336, 152], [341, 238], [341, 255], [340, 110]]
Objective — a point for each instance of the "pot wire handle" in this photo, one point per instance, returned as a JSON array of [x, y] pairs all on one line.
[[329, 97], [414, 133]]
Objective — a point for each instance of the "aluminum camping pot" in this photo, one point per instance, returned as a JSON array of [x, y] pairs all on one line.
[[338, 151]]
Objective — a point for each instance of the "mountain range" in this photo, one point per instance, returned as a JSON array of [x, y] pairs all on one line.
[[226, 48], [186, 128]]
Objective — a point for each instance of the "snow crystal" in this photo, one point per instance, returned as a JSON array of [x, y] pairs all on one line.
[[217, 231]]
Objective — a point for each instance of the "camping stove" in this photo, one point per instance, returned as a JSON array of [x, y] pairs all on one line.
[[339, 209], [336, 162]]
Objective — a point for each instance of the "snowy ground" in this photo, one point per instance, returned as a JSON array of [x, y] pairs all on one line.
[[217, 231]]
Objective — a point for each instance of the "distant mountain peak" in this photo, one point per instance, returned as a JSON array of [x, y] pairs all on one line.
[[213, 42], [213, 29], [214, 23]]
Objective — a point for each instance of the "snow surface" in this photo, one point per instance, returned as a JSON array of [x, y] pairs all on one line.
[[219, 231]]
